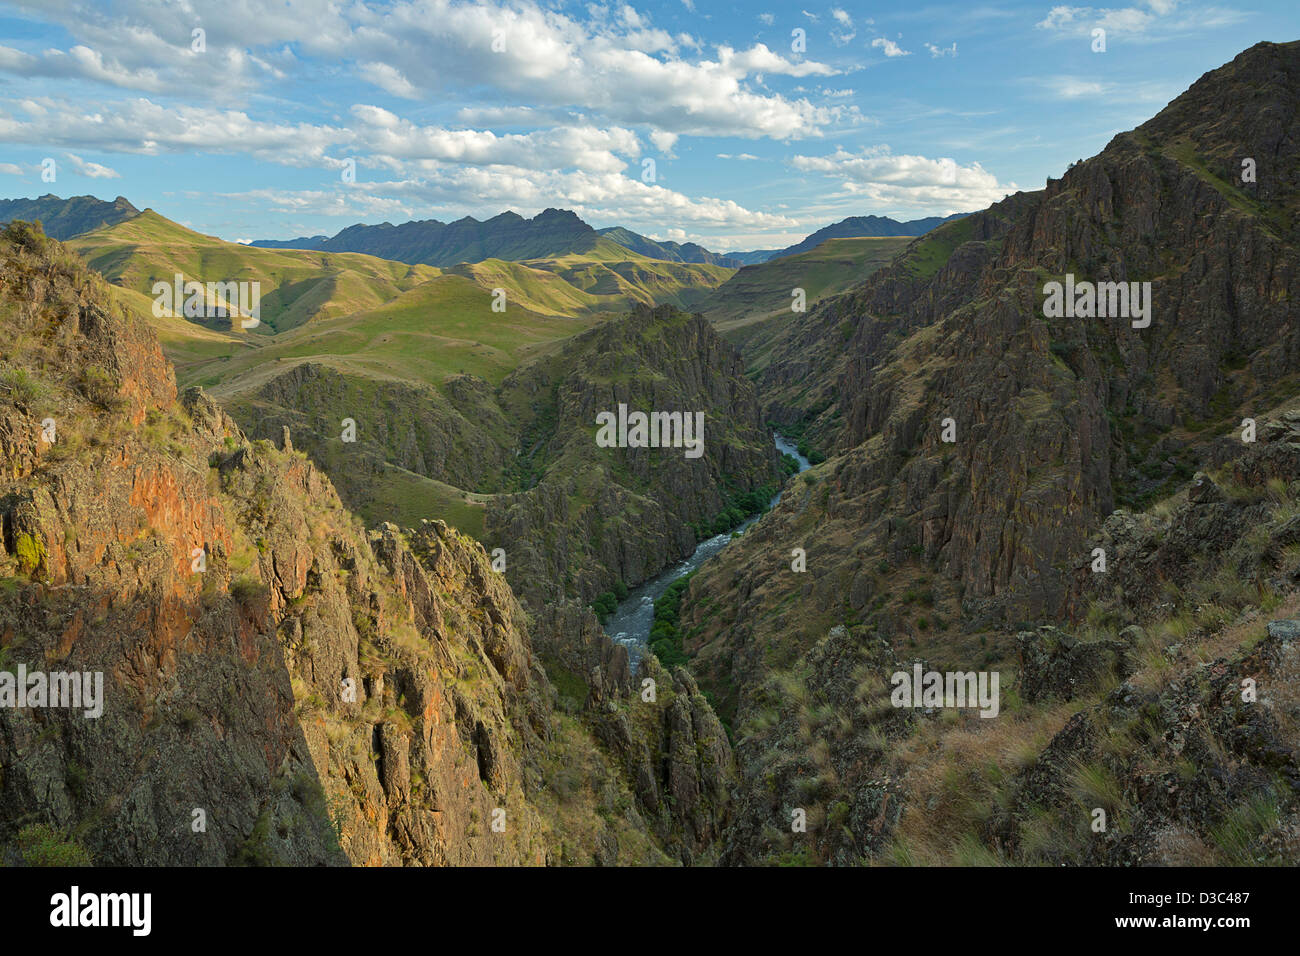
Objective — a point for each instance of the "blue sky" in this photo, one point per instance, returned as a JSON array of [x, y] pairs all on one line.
[[757, 134]]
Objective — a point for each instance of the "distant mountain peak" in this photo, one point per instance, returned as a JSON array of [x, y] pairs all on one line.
[[506, 235], [665, 249], [854, 227], [66, 218]]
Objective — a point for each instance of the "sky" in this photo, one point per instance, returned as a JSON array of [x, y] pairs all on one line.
[[735, 125]]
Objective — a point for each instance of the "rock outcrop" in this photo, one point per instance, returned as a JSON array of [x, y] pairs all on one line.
[[279, 686], [981, 449]]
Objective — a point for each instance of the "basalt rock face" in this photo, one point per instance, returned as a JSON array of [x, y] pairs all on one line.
[[675, 752], [600, 515], [1056, 420], [979, 448], [572, 517], [279, 686]]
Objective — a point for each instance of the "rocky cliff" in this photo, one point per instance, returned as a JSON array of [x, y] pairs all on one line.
[[978, 447], [279, 685], [600, 515]]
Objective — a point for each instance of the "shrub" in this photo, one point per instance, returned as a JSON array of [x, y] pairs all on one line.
[[43, 845], [99, 387], [27, 235], [247, 590], [604, 605], [24, 387], [31, 553]]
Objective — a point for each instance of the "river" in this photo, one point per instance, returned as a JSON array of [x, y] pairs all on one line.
[[630, 623]]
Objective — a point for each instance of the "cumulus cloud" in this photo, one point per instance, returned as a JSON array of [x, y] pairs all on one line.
[[576, 95], [381, 136], [619, 68], [905, 181], [91, 170], [616, 66], [891, 48], [584, 147], [484, 191], [388, 79], [143, 126]]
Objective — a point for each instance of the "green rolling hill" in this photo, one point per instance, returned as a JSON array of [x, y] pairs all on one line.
[[752, 305], [296, 286]]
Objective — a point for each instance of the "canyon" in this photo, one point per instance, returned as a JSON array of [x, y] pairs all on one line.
[[474, 633]]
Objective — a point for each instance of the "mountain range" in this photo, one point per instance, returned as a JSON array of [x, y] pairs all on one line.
[[559, 231], [508, 236], [65, 218]]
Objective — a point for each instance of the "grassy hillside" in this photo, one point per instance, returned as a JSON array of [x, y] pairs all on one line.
[[412, 353], [376, 317], [760, 293], [441, 328], [296, 286], [603, 277]]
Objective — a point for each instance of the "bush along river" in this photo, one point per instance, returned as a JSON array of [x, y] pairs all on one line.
[[632, 622]]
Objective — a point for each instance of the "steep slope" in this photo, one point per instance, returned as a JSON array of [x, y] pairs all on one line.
[[596, 516], [854, 227], [517, 464], [671, 251], [751, 307], [295, 286], [65, 218], [279, 686], [978, 444], [860, 226], [752, 257]]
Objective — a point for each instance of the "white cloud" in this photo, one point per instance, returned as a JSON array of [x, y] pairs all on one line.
[[615, 68], [91, 170], [621, 70], [938, 51], [941, 186], [663, 140], [582, 147], [143, 126], [842, 18], [485, 191], [767, 18], [1075, 87], [1138, 22], [891, 48], [389, 79], [1071, 87], [376, 136], [11, 169]]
